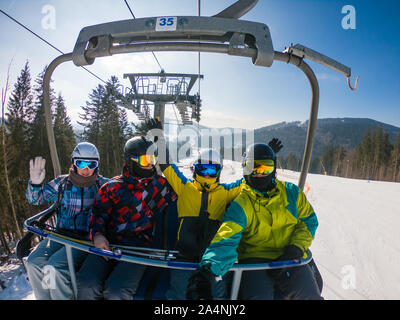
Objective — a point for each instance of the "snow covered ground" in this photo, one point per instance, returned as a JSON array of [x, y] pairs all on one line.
[[14, 277], [357, 244]]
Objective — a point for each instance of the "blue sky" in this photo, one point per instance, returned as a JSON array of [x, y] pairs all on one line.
[[235, 93]]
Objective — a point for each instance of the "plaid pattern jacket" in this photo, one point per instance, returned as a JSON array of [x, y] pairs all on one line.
[[125, 208], [76, 202]]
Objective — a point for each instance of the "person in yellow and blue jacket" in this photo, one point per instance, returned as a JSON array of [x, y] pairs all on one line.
[[201, 204], [270, 220]]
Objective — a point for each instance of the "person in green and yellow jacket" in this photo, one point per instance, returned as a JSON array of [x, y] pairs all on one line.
[[270, 220], [201, 204]]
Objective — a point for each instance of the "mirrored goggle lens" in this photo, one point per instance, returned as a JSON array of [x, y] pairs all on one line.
[[205, 169], [263, 167], [82, 164], [145, 160]]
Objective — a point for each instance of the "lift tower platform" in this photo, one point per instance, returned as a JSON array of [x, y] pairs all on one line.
[[160, 89]]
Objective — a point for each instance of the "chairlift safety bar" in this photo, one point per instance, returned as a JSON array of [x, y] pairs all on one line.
[[150, 260]]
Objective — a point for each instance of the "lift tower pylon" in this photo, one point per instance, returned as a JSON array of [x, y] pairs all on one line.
[[160, 89]]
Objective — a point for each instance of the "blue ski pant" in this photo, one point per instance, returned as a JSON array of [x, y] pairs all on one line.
[[48, 272], [110, 279], [296, 283]]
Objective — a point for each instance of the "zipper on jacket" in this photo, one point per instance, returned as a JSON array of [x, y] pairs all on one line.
[[80, 211]]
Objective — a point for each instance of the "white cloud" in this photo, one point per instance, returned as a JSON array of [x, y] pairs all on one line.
[[128, 63]]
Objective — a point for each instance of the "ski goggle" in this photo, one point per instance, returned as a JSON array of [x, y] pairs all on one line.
[[207, 169], [145, 160], [254, 167], [82, 164]]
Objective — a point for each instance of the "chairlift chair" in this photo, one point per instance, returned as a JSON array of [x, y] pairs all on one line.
[[222, 33]]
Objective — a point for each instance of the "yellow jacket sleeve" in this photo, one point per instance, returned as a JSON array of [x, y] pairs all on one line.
[[233, 189], [175, 178]]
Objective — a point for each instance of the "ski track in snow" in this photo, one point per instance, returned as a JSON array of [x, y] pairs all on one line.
[[356, 247]]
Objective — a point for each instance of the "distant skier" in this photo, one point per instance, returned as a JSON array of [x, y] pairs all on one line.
[[270, 220], [75, 194]]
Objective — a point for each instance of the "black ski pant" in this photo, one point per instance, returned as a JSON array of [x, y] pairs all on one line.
[[296, 283]]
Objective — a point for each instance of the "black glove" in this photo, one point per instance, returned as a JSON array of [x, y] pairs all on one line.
[[290, 252], [275, 145], [200, 284], [153, 124]]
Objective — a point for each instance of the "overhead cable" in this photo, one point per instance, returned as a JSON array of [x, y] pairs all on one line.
[[48, 43]]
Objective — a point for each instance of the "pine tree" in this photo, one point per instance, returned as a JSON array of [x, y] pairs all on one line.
[[396, 158], [39, 145], [292, 162], [113, 137], [386, 150], [327, 158], [365, 155], [19, 115], [64, 134], [338, 156], [91, 115], [16, 145], [378, 151], [106, 126]]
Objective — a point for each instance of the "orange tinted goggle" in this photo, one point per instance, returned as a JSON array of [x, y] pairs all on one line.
[[263, 167], [145, 160]]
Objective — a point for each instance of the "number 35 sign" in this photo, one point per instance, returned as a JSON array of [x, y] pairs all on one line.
[[166, 24]]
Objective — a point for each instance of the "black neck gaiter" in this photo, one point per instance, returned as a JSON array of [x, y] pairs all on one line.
[[261, 184], [137, 171]]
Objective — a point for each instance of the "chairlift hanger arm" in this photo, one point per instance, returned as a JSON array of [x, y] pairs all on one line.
[[120, 36], [237, 10], [304, 52]]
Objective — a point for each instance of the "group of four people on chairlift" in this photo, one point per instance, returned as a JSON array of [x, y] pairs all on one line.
[[256, 219]]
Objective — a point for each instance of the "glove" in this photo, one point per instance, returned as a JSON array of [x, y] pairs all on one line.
[[154, 124], [37, 170], [200, 284], [275, 145], [290, 252]]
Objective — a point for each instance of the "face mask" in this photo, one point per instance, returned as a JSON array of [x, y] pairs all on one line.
[[262, 184], [137, 171], [205, 181]]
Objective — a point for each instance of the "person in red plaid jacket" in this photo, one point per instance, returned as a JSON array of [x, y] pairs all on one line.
[[124, 213]]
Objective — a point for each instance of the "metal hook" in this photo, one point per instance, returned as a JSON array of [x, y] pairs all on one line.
[[355, 87]]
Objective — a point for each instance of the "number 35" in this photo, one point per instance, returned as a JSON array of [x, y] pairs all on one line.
[[166, 22]]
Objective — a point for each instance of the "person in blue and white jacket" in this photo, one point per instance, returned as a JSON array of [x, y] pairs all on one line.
[[75, 193]]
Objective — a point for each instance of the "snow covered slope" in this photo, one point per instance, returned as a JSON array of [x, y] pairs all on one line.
[[357, 244]]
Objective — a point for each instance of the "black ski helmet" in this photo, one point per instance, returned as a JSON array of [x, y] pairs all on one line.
[[260, 151], [139, 146]]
